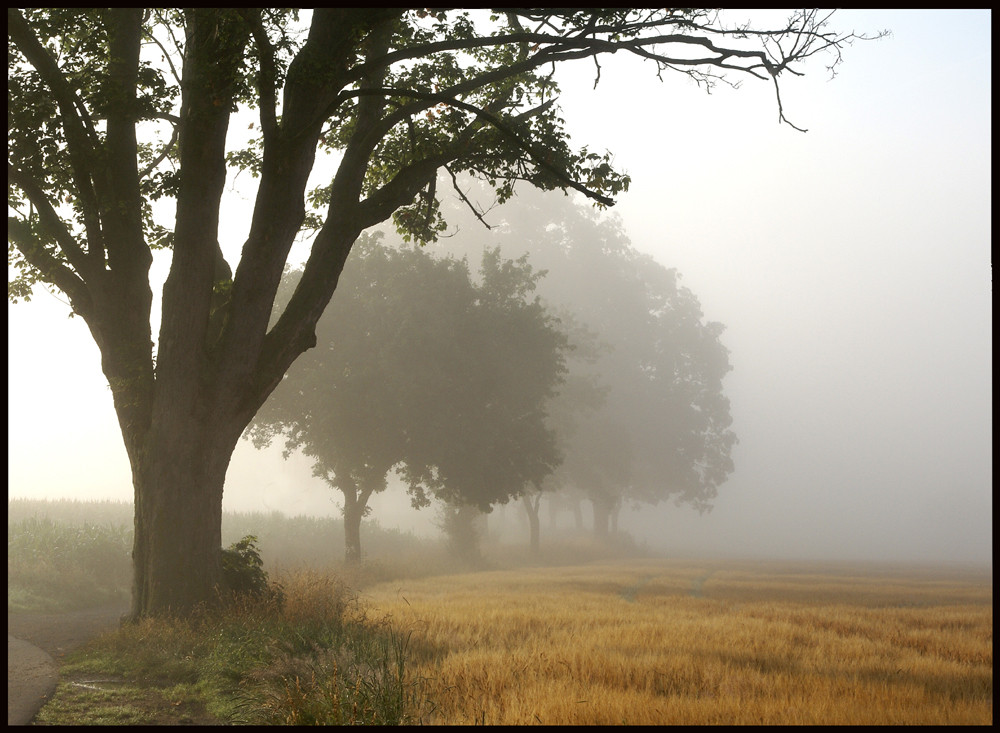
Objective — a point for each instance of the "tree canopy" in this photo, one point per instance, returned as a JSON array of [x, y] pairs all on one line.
[[121, 141], [643, 416], [418, 368]]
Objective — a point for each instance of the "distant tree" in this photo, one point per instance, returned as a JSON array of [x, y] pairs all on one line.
[[643, 416], [579, 396], [502, 446], [110, 110], [517, 354], [425, 371]]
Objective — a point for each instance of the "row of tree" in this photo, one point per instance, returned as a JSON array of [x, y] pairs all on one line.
[[476, 392], [112, 109], [645, 417], [425, 372]]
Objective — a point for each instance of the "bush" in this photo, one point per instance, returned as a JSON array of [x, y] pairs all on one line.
[[243, 571], [463, 526]]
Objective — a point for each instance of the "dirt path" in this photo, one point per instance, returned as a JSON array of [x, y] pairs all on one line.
[[35, 644]]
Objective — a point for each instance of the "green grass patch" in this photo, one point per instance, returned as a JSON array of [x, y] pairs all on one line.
[[79, 700], [312, 657]]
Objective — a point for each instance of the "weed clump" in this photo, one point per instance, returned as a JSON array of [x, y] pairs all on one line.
[[243, 572]]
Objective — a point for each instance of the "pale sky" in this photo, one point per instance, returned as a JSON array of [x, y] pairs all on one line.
[[851, 266]]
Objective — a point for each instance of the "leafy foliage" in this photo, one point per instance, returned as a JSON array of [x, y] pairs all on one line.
[[243, 570]]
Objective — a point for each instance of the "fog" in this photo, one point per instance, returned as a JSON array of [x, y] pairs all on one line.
[[850, 265]]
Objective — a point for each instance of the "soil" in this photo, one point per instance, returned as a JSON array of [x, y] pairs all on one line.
[[35, 644]]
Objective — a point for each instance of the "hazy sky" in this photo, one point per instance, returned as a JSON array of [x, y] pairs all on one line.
[[851, 266]]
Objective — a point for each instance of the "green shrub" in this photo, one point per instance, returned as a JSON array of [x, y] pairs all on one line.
[[243, 571]]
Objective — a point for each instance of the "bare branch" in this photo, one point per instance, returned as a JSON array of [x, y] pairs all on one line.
[[166, 54], [562, 44], [465, 199], [781, 110], [161, 156]]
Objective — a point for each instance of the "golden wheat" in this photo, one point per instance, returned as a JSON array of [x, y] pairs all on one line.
[[674, 642]]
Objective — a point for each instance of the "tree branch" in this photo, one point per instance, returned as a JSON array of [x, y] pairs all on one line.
[[118, 184], [266, 78], [500, 126], [78, 141], [52, 224], [161, 156], [316, 74], [216, 43], [465, 199], [51, 269], [166, 54]]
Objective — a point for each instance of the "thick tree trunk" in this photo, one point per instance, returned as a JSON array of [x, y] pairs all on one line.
[[356, 496], [353, 512], [178, 522]]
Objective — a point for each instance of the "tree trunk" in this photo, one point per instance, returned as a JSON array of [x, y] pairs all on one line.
[[353, 512], [463, 527], [356, 496], [532, 509], [178, 521], [602, 517]]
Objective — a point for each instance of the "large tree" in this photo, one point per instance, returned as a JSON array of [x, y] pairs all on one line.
[[111, 109], [417, 367]]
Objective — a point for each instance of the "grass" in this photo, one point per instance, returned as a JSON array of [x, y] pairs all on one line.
[[315, 658], [667, 642]]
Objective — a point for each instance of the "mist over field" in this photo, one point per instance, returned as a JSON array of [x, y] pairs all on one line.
[[850, 267]]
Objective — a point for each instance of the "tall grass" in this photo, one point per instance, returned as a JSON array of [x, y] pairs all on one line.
[[70, 511], [286, 541], [669, 642], [346, 673]]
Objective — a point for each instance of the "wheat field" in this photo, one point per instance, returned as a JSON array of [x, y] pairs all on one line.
[[680, 642]]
